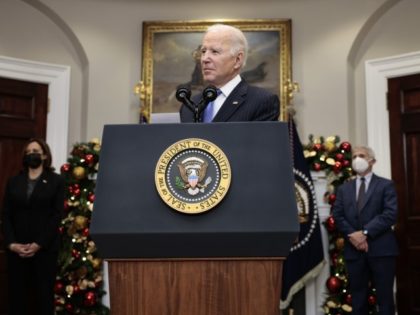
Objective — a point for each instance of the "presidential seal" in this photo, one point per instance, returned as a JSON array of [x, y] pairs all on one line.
[[192, 176]]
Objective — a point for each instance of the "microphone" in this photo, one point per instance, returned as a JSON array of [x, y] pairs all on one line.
[[183, 95], [209, 94]]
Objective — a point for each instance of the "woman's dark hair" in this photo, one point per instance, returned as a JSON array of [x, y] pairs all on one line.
[[45, 149]]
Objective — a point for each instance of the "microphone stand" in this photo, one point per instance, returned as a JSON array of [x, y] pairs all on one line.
[[183, 95], [197, 113]]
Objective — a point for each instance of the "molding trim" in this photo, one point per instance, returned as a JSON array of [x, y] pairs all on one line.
[[58, 79], [377, 72]]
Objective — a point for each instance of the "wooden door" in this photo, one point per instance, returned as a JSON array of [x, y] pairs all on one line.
[[404, 118], [23, 115]]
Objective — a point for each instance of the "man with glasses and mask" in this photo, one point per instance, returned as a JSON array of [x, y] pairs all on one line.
[[365, 211]]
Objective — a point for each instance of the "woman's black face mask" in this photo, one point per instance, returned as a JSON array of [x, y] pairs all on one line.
[[32, 160]]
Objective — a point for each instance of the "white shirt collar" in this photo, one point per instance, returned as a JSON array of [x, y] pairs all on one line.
[[367, 177], [228, 87]]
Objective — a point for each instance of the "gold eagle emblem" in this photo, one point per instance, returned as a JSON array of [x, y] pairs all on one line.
[[193, 171]]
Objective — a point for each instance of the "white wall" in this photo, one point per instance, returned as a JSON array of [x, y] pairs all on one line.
[[26, 33], [396, 33], [101, 41]]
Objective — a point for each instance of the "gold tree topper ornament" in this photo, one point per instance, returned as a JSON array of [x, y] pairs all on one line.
[[141, 91], [289, 89]]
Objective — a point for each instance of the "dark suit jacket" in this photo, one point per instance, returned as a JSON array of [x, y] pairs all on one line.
[[35, 219], [245, 103], [377, 215]]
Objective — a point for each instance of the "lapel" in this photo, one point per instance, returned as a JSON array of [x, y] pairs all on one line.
[[353, 193], [232, 103], [22, 186]]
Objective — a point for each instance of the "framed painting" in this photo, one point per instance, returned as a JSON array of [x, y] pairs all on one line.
[[171, 58]]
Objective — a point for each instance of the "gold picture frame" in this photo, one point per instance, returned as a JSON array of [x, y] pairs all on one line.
[[170, 57]]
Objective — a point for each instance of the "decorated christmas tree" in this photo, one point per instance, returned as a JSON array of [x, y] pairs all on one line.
[[78, 287], [335, 159]]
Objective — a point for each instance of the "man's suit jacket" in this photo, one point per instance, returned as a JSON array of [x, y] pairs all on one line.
[[378, 215], [244, 103], [37, 218]]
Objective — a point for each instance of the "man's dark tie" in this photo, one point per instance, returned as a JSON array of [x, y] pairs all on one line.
[[362, 193]]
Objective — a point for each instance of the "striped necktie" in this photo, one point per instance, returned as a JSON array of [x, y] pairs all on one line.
[[361, 194], [209, 114]]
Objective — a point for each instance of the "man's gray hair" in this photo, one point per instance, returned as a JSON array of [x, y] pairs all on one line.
[[369, 151], [238, 39]]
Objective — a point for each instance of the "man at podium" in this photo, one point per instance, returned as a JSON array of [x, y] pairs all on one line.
[[224, 51], [168, 253]]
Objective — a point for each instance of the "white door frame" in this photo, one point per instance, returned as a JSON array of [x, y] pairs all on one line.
[[377, 72], [58, 79]]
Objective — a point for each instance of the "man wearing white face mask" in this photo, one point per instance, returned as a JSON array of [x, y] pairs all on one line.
[[365, 211]]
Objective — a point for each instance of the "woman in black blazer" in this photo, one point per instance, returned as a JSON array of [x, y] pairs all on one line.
[[32, 211]]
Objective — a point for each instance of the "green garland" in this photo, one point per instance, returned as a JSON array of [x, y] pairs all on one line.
[[78, 287]]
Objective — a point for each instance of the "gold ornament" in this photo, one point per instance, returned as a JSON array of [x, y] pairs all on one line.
[[73, 203], [329, 146], [83, 284], [332, 139], [330, 161], [91, 247], [69, 289], [332, 304], [96, 263], [95, 141], [347, 308], [339, 243], [96, 145], [79, 172], [308, 154], [80, 222]]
